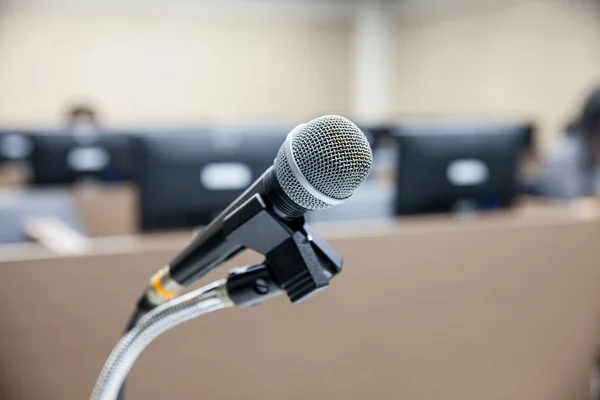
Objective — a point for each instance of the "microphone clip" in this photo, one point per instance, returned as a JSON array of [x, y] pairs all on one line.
[[297, 260]]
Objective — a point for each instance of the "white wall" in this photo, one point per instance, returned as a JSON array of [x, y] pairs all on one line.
[[156, 67], [533, 58], [371, 38]]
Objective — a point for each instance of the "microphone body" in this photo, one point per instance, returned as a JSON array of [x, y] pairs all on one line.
[[320, 164], [210, 247]]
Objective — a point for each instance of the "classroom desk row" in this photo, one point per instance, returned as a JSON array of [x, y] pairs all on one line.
[[499, 307]]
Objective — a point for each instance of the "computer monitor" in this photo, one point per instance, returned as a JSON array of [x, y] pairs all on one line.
[[15, 146], [377, 134], [188, 177], [65, 157], [457, 166]]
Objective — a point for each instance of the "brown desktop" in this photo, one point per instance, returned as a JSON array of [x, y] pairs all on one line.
[[499, 307]]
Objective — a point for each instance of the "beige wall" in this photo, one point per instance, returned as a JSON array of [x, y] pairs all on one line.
[[534, 58], [176, 68]]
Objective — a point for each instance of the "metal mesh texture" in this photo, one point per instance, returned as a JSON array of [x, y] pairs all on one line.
[[332, 154]]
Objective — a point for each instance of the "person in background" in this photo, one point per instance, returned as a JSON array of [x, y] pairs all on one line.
[[571, 127], [82, 114], [572, 171], [82, 121]]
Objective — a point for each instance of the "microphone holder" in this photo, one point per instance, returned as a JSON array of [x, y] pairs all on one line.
[[300, 262], [297, 262]]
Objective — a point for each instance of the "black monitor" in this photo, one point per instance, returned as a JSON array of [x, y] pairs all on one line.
[[188, 177], [65, 157], [378, 135], [457, 166]]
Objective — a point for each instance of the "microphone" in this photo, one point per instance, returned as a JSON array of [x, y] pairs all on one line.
[[320, 164]]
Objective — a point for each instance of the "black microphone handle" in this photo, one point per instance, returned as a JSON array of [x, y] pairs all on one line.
[[210, 248]]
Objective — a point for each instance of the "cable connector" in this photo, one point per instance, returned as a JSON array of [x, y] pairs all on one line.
[[162, 287]]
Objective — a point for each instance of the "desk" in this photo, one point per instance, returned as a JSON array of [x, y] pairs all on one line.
[[505, 307], [13, 176], [108, 210]]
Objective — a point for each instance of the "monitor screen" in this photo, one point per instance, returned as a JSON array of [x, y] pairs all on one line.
[[63, 157], [457, 166], [187, 177]]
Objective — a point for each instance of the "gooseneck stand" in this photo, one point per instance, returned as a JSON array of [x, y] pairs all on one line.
[[249, 286], [157, 321], [297, 262]]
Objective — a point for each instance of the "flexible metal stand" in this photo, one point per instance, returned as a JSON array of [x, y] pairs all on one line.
[[297, 262], [244, 287], [172, 313]]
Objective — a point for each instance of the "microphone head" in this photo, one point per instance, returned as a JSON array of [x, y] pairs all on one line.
[[323, 162]]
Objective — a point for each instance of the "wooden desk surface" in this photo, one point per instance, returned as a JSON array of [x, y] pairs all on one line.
[[502, 308]]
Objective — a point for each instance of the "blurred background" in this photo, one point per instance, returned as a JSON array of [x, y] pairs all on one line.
[[126, 125], [199, 62], [234, 67]]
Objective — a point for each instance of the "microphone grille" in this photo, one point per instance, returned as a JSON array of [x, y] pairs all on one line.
[[331, 154]]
